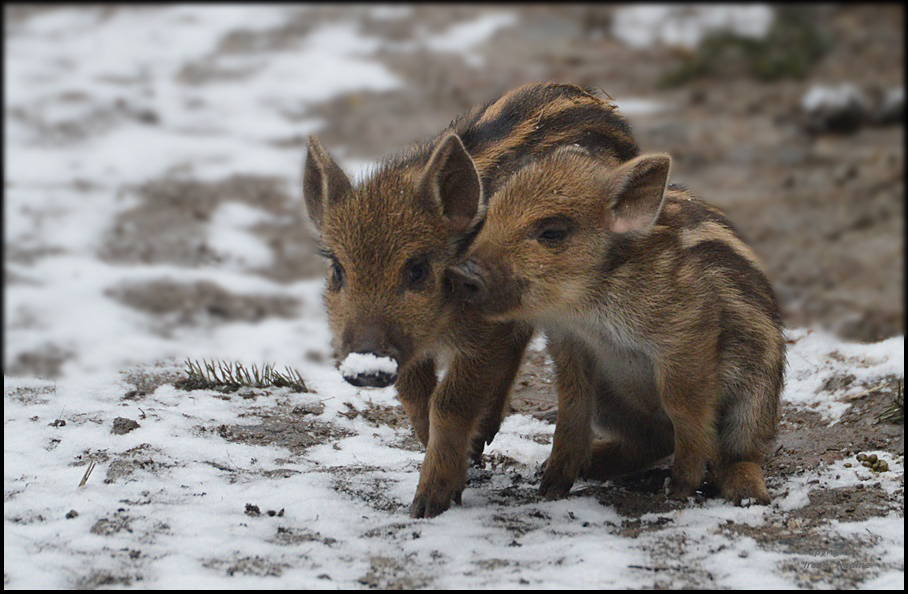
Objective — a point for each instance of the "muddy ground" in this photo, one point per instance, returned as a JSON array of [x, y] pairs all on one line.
[[823, 208]]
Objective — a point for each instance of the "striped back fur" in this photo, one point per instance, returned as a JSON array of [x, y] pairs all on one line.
[[525, 123]]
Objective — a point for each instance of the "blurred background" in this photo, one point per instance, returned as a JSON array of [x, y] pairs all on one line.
[[152, 204]]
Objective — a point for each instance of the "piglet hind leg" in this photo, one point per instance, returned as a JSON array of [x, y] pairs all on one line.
[[746, 430], [690, 396]]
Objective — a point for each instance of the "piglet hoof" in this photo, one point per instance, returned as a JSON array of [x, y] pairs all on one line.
[[555, 485], [425, 506], [681, 490], [743, 484], [428, 503], [745, 495]]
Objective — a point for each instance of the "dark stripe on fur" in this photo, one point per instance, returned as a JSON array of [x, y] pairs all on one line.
[[750, 283]]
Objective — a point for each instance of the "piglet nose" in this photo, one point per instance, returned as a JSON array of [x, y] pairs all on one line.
[[467, 283]]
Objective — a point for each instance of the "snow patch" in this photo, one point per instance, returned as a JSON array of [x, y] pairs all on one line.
[[820, 97], [815, 356], [464, 36], [639, 107], [686, 25], [229, 235], [357, 364]]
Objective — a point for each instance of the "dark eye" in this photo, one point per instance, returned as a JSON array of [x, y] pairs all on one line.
[[337, 275], [553, 231], [416, 273], [553, 234]]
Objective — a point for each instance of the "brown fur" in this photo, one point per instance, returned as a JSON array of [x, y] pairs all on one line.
[[663, 327], [413, 218]]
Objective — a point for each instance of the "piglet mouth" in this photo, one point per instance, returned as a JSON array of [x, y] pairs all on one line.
[[367, 370]]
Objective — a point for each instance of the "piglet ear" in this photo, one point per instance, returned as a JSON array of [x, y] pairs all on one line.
[[636, 191], [324, 183], [450, 183]]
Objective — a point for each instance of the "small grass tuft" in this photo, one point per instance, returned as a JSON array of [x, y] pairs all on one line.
[[230, 377], [895, 412]]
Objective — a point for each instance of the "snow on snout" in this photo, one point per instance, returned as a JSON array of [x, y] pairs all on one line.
[[357, 364]]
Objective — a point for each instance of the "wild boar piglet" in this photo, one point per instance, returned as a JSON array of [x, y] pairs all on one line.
[[663, 327]]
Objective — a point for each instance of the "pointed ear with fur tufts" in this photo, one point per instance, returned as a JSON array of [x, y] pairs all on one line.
[[636, 191], [324, 183], [450, 184]]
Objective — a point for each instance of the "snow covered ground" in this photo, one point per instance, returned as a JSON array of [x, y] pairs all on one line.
[[331, 473], [111, 113]]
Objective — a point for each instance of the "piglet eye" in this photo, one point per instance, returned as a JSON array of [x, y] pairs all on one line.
[[337, 275], [553, 235], [553, 231], [416, 273]]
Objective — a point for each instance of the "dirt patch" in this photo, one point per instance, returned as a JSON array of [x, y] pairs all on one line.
[[396, 530], [144, 457], [170, 225], [28, 255], [10, 277], [370, 490], [534, 390], [102, 579], [641, 493], [517, 525], [119, 522], [293, 536], [93, 119], [147, 379], [394, 417], [46, 362], [520, 490], [806, 441], [379, 415], [252, 566], [202, 303], [670, 569], [288, 426], [31, 394], [386, 573], [33, 518], [407, 441], [827, 558], [838, 382]]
